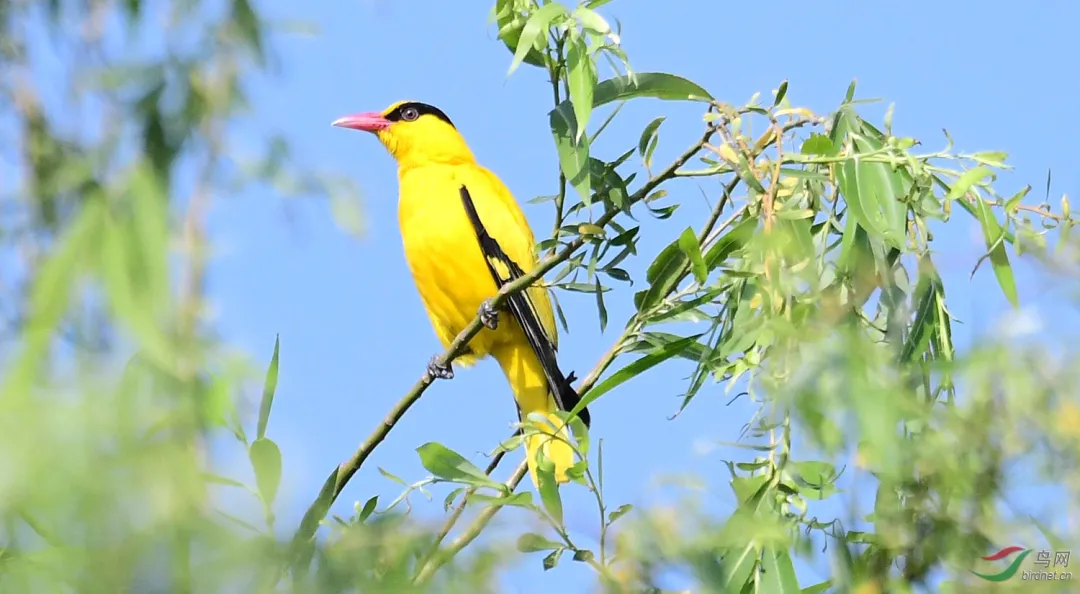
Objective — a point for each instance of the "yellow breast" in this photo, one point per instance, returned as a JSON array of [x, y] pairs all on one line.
[[444, 254]]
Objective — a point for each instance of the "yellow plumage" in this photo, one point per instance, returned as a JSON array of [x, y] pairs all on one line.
[[449, 265]]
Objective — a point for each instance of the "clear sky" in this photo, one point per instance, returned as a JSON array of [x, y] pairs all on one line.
[[354, 336]]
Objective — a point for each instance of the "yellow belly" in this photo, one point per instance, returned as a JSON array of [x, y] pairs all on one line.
[[444, 257]]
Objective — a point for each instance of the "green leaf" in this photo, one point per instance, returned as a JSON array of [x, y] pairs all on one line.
[[218, 409], [548, 487], [392, 477], [663, 275], [868, 200], [872, 190], [619, 512], [730, 242], [584, 555], [635, 369], [649, 139], [815, 474], [689, 310], [266, 461], [688, 243], [573, 150], [850, 94], [591, 20], [532, 543], [125, 270], [653, 342], [449, 465], [552, 559], [150, 234], [511, 22], [235, 520], [522, 499], [245, 19], [781, 92], [658, 85], [736, 567], [222, 480], [451, 496], [580, 80], [819, 144], [536, 26], [969, 178], [999, 260], [777, 572], [1012, 203], [991, 158], [367, 510], [818, 588], [746, 487], [601, 310], [581, 435], [927, 291], [269, 388]]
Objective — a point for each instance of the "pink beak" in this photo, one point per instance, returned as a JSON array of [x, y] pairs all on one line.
[[371, 121]]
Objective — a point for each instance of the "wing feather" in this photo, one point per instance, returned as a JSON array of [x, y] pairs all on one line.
[[504, 270]]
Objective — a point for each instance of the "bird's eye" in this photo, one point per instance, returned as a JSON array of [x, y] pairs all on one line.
[[409, 114]]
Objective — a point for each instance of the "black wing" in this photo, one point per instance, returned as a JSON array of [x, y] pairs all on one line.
[[523, 310]]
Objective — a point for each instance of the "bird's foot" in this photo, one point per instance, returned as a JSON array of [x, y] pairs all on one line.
[[489, 316], [439, 370]]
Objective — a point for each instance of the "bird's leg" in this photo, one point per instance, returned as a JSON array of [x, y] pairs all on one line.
[[439, 370], [489, 316]]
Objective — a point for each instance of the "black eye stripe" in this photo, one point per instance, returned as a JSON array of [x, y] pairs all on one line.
[[421, 109]]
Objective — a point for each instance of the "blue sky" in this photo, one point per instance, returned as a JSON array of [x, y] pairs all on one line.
[[354, 335]]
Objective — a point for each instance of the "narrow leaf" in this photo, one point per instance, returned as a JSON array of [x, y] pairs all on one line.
[[601, 310], [531, 542], [688, 243], [536, 26], [573, 149], [658, 85], [266, 461], [448, 465], [999, 260], [619, 512], [969, 178], [581, 80], [647, 136], [511, 23], [548, 487], [635, 369], [269, 388], [367, 510]]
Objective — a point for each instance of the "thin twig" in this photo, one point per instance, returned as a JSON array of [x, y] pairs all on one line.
[[560, 198]]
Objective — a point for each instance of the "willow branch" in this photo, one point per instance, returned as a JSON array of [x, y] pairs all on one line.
[[435, 558], [341, 475]]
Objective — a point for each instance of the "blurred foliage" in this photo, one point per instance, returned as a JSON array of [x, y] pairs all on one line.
[[812, 288]]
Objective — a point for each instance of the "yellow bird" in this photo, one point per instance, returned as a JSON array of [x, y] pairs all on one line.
[[465, 237]]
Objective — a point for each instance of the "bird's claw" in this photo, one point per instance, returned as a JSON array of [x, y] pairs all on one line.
[[439, 370], [489, 316]]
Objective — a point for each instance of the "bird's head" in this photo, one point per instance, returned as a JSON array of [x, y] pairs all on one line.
[[413, 132]]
